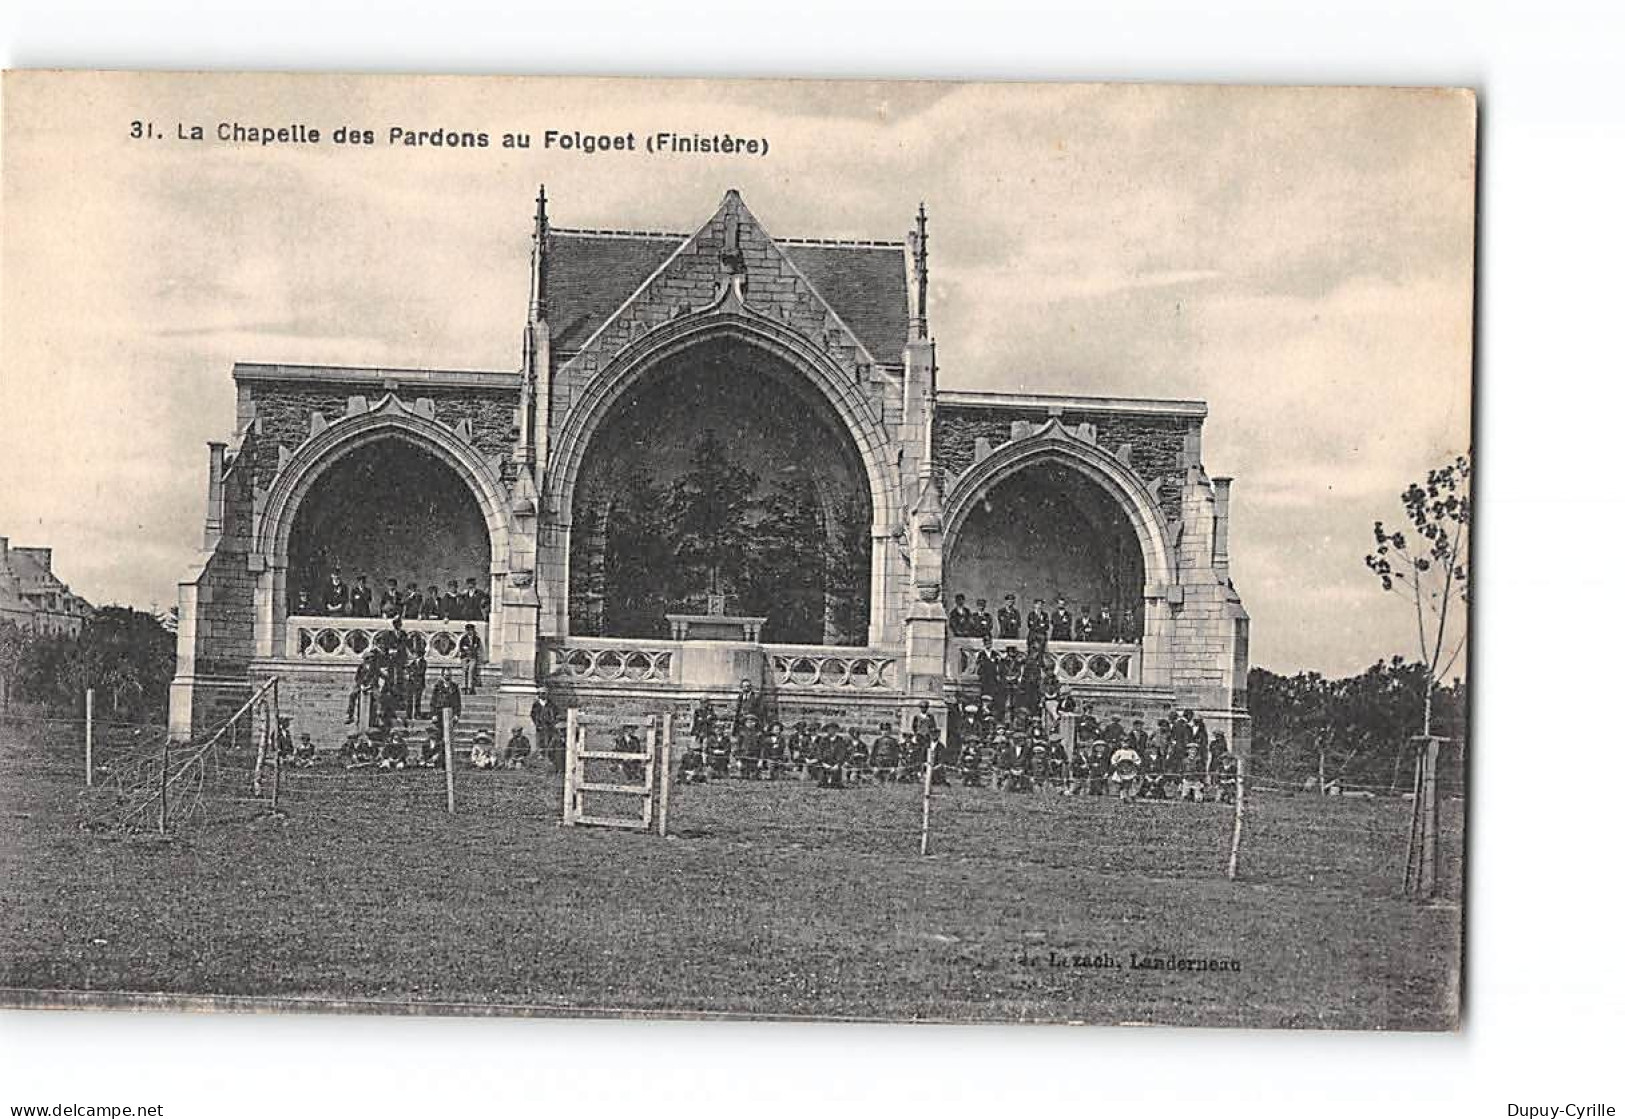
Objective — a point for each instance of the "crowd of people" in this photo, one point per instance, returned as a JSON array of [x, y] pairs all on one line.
[[1023, 732], [390, 690], [337, 599], [1055, 743], [1041, 623]]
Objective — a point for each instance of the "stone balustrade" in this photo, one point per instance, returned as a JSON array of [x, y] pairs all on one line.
[[1080, 663], [827, 668], [316, 638], [612, 660]]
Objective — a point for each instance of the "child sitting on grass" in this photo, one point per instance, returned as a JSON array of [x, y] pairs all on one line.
[[691, 766], [394, 755], [517, 750], [484, 754]]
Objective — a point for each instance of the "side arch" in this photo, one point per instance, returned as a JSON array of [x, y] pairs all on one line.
[[307, 464], [315, 455], [1117, 481]]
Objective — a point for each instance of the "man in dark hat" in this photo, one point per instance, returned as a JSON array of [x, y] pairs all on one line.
[[959, 618], [335, 597], [1038, 626], [989, 680], [393, 602], [412, 604], [544, 719], [445, 697], [832, 757], [883, 755], [1009, 619], [417, 681], [749, 702], [749, 748], [392, 653], [366, 676], [360, 598], [1060, 622], [981, 621], [476, 601], [470, 651], [284, 738]]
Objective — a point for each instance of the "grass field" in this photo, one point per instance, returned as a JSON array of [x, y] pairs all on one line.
[[769, 899]]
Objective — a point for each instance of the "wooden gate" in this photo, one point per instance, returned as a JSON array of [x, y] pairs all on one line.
[[608, 783]]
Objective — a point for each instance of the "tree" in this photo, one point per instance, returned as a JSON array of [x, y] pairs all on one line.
[[12, 642], [1430, 567], [785, 576], [1352, 729], [126, 654], [637, 543], [713, 508], [847, 569]]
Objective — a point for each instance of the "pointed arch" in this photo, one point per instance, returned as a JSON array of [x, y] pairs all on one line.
[[737, 324], [1054, 444], [389, 420]]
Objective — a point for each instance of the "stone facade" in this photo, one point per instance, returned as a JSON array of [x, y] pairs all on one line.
[[847, 322], [33, 598]]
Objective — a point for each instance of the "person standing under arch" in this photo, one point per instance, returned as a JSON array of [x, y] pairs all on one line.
[[470, 651]]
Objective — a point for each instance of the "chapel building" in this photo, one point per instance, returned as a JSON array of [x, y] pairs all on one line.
[[724, 455]]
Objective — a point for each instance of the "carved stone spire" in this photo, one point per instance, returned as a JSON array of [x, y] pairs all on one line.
[[538, 259], [917, 246], [536, 313]]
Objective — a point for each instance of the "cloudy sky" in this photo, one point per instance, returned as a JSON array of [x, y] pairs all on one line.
[[1301, 259]]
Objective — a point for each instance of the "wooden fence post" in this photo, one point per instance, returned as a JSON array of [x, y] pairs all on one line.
[[570, 731], [276, 748], [163, 790], [665, 771], [90, 707], [1428, 880], [1234, 868], [445, 759], [925, 808]]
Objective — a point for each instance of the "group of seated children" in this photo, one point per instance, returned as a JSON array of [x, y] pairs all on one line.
[[387, 695], [1017, 751], [338, 599], [1042, 624], [828, 754], [1177, 761]]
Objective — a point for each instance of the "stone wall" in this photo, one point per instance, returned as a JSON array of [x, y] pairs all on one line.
[[281, 413], [214, 637], [1159, 444]]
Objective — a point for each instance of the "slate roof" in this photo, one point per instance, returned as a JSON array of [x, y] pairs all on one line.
[[590, 273], [868, 287]]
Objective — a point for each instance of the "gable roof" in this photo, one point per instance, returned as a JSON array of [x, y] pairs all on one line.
[[592, 272], [866, 284]]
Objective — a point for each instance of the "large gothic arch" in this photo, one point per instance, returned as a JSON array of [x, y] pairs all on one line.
[[644, 356], [731, 322]]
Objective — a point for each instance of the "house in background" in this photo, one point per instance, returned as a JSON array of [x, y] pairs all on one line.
[[33, 598]]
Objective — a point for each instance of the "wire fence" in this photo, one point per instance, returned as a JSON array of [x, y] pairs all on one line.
[[979, 816]]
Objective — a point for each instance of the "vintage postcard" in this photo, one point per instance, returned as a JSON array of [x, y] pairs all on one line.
[[840, 550]]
